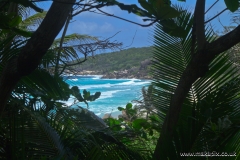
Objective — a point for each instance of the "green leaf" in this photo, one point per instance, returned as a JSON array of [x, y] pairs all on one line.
[[167, 12], [97, 95], [120, 109], [22, 32], [75, 89], [150, 132], [15, 21], [144, 135], [154, 118], [214, 126], [129, 106], [131, 112], [232, 5], [176, 32], [169, 23], [146, 5], [86, 94], [138, 123], [114, 124], [92, 97], [121, 119], [131, 9]]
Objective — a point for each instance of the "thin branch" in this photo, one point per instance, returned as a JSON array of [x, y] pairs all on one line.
[[73, 64], [105, 13], [68, 65], [211, 6], [143, 25], [221, 23], [88, 9], [58, 1], [112, 36], [132, 40], [215, 16], [100, 45], [61, 42], [87, 48]]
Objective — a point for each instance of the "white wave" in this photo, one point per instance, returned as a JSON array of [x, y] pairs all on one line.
[[97, 76], [95, 86], [103, 110], [141, 83], [69, 102], [107, 85], [132, 82], [74, 79], [89, 75], [109, 94], [98, 114], [125, 83]]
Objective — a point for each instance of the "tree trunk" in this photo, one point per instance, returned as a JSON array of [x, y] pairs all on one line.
[[32, 53]]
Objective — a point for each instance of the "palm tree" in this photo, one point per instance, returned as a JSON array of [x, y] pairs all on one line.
[[209, 119]]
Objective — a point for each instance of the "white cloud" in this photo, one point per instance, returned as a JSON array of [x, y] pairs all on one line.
[[91, 27], [106, 27]]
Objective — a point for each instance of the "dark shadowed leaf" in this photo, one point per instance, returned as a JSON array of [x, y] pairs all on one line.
[[232, 5]]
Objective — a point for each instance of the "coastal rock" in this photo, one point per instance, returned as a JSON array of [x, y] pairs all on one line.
[[125, 116], [132, 73], [106, 116], [144, 64], [120, 116]]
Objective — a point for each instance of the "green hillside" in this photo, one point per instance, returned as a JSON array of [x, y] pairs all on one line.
[[135, 61]]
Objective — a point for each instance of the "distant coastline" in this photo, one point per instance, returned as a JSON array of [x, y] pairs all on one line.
[[132, 63], [111, 75]]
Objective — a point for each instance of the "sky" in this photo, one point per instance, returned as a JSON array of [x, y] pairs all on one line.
[[131, 35]]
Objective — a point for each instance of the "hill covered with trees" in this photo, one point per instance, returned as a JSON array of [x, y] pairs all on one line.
[[129, 63]]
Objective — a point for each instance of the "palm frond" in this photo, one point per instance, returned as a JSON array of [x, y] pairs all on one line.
[[171, 57], [41, 83], [28, 136], [32, 22]]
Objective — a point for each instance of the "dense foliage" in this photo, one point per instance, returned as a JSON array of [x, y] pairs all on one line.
[[34, 124]]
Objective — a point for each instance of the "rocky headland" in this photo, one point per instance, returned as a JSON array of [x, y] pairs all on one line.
[[141, 72]]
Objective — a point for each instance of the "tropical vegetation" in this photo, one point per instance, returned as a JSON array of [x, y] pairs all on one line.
[[192, 107], [128, 63], [116, 61]]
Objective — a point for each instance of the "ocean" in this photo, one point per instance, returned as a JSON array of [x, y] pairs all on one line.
[[114, 92]]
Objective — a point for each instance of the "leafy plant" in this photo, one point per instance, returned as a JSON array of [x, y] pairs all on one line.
[[86, 95]]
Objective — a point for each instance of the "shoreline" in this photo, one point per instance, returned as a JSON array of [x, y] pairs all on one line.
[[102, 77], [112, 114]]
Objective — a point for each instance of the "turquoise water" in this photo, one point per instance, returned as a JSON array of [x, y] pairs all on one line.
[[114, 92]]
